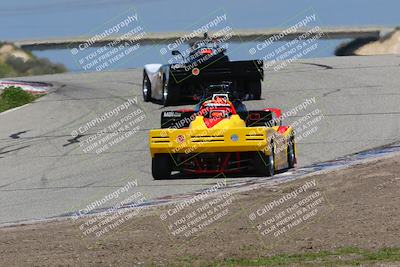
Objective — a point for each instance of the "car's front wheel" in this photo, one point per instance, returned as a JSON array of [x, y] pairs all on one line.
[[161, 166], [146, 87]]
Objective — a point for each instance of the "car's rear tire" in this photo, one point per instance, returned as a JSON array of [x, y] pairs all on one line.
[[161, 166], [170, 94], [264, 165], [255, 89], [291, 156], [146, 87]]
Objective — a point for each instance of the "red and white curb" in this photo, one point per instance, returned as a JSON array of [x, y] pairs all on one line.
[[30, 87]]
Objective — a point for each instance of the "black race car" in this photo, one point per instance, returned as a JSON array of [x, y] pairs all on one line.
[[205, 64]]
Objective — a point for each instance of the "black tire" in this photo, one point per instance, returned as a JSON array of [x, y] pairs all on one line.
[[170, 94], [161, 166], [146, 87], [255, 89], [264, 165], [291, 156]]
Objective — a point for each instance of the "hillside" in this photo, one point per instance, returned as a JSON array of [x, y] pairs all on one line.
[[388, 44], [16, 62]]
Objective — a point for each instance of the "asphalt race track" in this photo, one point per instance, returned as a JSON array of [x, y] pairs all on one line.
[[44, 172]]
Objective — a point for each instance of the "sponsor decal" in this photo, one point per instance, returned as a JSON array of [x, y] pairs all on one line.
[[171, 114], [234, 137], [195, 71], [180, 139]]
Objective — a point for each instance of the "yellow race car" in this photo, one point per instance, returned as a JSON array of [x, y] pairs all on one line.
[[221, 137]]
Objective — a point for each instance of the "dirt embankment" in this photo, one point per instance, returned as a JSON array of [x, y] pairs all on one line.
[[15, 62], [388, 44], [9, 50], [357, 207]]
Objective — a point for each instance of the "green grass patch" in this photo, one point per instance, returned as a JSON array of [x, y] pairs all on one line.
[[13, 97], [348, 256]]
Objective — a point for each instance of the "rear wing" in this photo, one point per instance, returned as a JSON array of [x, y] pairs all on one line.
[[257, 118], [222, 70], [182, 118], [177, 119]]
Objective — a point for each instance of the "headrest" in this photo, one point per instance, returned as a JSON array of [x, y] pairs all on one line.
[[220, 98]]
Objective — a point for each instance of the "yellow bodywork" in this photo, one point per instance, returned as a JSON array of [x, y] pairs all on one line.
[[229, 135]]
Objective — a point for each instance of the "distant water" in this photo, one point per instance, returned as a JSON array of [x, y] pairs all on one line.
[[38, 19], [151, 54]]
